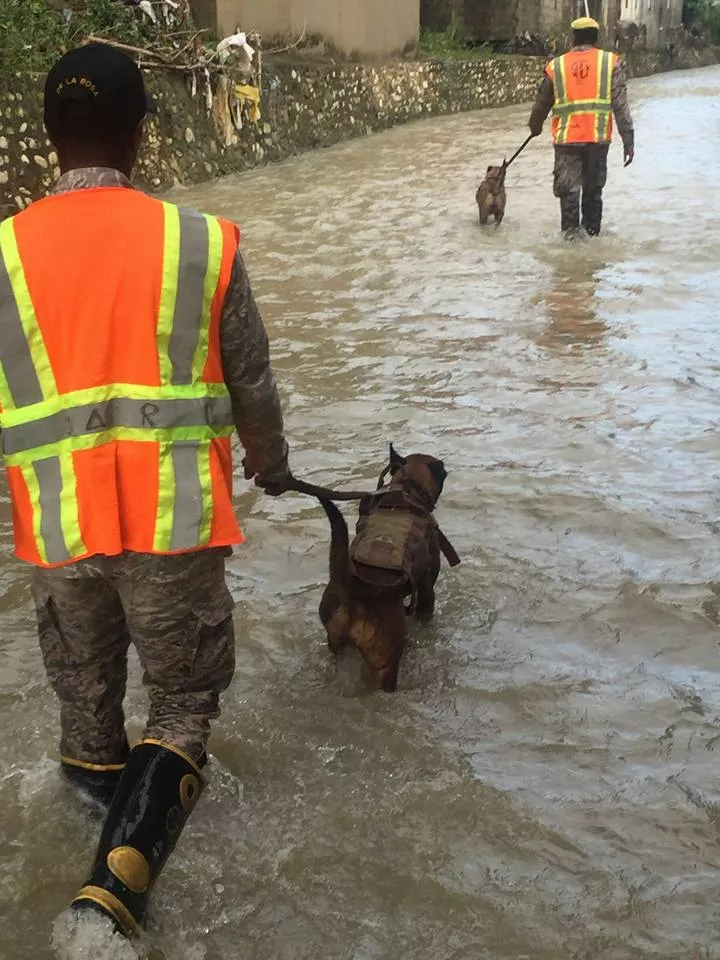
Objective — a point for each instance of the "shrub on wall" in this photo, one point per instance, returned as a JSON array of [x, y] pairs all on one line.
[[34, 33]]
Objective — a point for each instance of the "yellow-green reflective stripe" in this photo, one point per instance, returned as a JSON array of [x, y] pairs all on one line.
[[27, 370], [168, 297], [184, 514], [583, 106], [605, 95], [187, 319], [564, 121], [52, 486], [559, 80], [31, 481], [100, 395], [212, 278], [212, 412], [598, 94], [206, 489], [69, 518], [88, 442], [6, 397], [19, 384], [166, 500], [605, 83], [190, 509]]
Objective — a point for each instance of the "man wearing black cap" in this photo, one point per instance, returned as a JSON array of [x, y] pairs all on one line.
[[584, 89], [130, 349]]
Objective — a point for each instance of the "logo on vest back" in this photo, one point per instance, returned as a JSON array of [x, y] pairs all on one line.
[[581, 69]]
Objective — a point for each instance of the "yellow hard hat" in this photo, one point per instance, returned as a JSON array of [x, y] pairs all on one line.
[[585, 23]]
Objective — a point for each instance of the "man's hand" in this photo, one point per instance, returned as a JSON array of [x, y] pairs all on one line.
[[275, 488], [535, 131], [275, 484], [629, 156]]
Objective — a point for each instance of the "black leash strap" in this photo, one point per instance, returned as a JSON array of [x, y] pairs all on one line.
[[325, 493], [517, 153]]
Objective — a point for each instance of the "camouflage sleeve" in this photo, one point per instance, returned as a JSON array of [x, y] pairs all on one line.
[[543, 105], [250, 381], [621, 107]]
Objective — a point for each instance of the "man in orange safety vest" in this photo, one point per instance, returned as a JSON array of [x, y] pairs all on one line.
[[131, 350], [583, 89]]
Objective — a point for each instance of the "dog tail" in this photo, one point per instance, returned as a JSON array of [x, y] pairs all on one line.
[[339, 544]]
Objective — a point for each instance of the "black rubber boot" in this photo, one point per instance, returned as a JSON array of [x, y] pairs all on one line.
[[156, 794], [95, 784], [570, 214], [592, 211]]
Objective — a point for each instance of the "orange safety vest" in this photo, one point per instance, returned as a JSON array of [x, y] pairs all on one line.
[[115, 418], [582, 81]]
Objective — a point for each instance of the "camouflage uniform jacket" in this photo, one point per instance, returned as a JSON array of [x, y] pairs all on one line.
[[245, 352], [621, 107]]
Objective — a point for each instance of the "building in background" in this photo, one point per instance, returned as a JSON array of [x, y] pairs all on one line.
[[497, 21], [363, 28], [661, 18]]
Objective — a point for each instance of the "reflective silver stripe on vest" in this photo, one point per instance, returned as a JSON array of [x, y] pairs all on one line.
[[188, 515], [559, 80], [605, 96], [214, 412], [15, 355], [188, 316], [605, 91], [582, 106], [49, 478]]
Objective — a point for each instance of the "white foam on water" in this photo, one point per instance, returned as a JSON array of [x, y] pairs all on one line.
[[88, 936]]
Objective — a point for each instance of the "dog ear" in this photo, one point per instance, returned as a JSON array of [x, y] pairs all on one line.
[[438, 473], [396, 461]]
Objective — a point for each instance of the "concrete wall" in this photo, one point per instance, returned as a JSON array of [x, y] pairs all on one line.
[[303, 108], [438, 14], [369, 28]]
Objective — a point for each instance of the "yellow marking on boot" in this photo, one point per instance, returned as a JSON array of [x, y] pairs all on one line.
[[176, 750], [130, 867], [111, 905], [99, 767], [189, 792]]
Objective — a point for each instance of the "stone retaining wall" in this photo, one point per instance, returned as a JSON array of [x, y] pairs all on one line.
[[304, 107]]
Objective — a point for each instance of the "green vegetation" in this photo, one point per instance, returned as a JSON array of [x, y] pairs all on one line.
[[704, 15], [33, 33], [448, 45]]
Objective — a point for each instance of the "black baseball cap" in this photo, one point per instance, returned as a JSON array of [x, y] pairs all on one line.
[[95, 91]]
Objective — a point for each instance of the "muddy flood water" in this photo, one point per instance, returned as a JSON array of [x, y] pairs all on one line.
[[544, 785]]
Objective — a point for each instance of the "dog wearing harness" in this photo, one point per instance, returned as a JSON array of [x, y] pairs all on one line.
[[391, 567]]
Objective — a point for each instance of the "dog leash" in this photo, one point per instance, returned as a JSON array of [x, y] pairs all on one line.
[[513, 158], [325, 493]]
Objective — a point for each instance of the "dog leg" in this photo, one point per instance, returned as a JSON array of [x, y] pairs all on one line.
[[337, 641], [425, 607], [388, 677], [499, 215]]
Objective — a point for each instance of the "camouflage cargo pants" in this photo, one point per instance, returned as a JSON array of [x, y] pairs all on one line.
[[581, 171], [176, 610]]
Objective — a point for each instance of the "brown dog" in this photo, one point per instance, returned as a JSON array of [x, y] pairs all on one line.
[[395, 556], [491, 197]]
